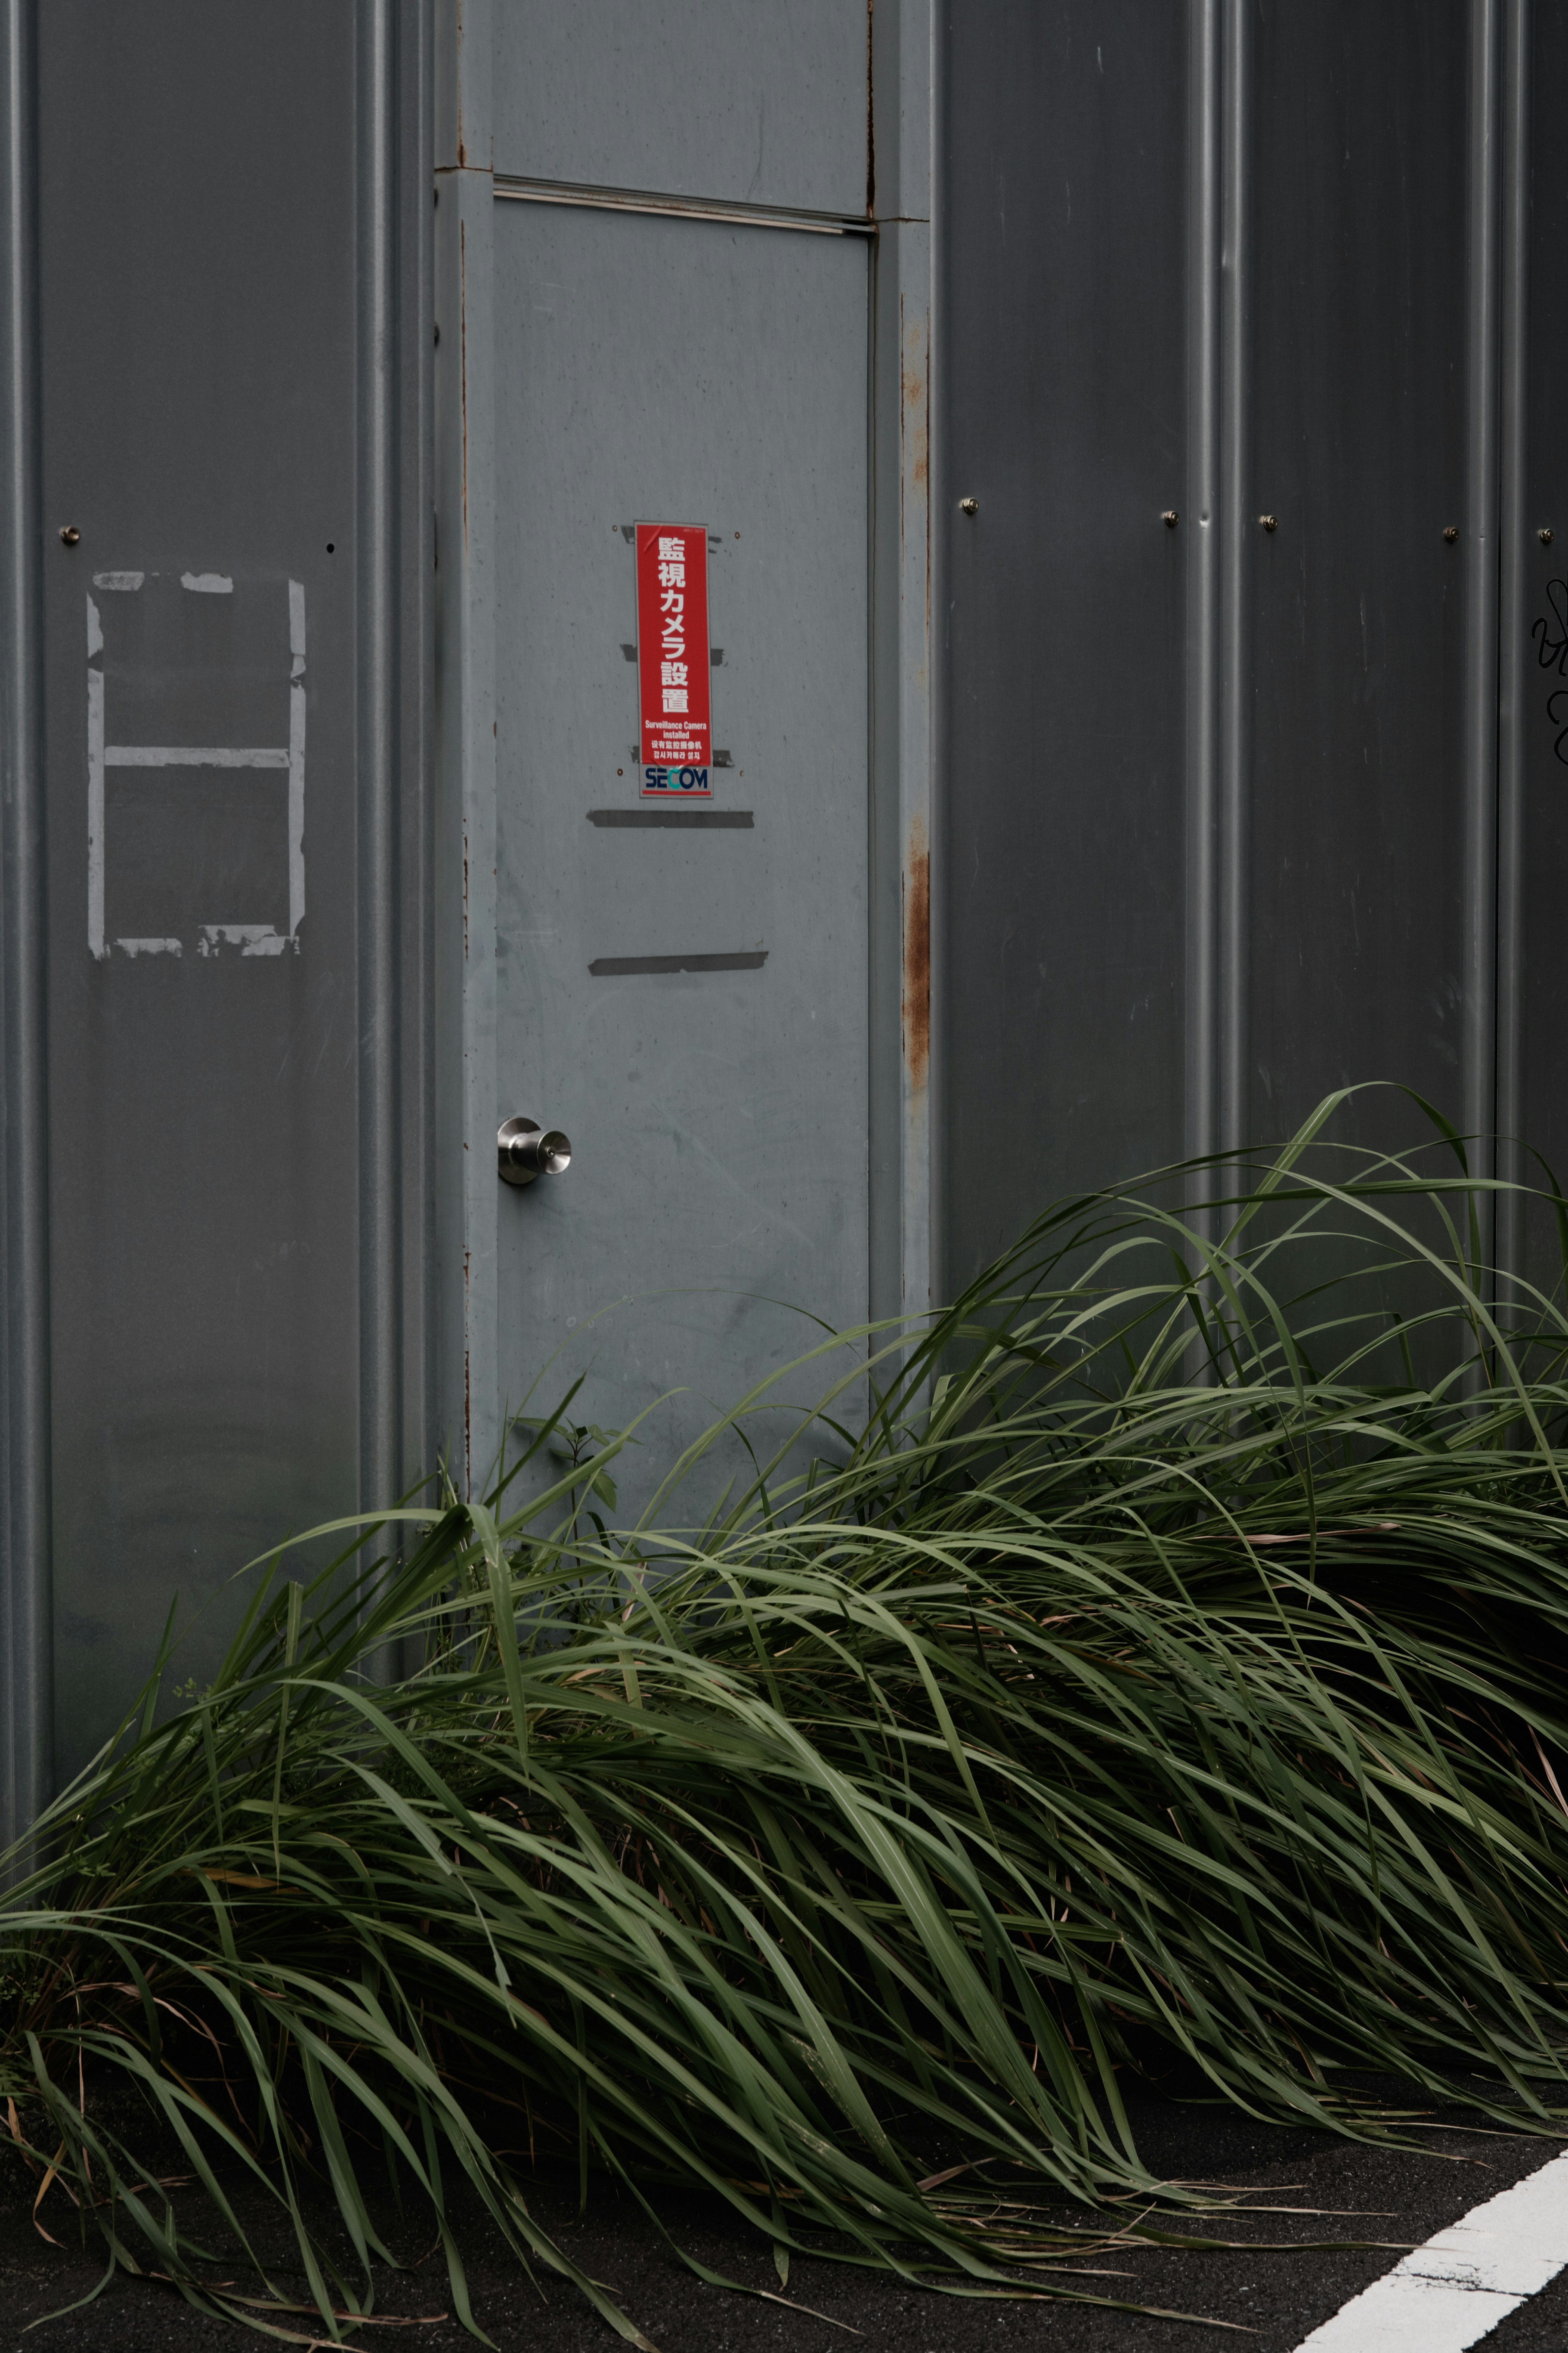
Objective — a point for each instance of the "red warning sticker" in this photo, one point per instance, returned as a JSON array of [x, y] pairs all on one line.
[[673, 663]]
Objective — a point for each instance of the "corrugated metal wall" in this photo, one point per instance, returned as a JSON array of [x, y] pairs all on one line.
[[1243, 810], [1221, 813]]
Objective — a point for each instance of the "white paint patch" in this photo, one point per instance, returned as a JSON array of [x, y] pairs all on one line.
[[296, 758], [250, 939], [1454, 2290], [196, 755], [94, 787]]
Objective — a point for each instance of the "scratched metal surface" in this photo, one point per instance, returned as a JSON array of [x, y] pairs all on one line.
[[199, 386], [1117, 990], [1064, 358], [717, 1118], [1356, 967], [1543, 944], [764, 103]]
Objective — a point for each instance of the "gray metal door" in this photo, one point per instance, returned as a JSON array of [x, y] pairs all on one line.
[[690, 330], [682, 989]]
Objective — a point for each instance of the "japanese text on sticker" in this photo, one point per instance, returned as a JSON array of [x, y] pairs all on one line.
[[674, 660]]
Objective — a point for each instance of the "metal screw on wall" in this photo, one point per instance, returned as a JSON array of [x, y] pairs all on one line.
[[1450, 533], [1544, 536], [970, 506], [1269, 523], [70, 535], [1170, 517]]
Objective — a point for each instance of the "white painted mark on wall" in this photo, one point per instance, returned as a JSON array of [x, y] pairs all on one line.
[[295, 756], [1454, 2289], [250, 939], [94, 783]]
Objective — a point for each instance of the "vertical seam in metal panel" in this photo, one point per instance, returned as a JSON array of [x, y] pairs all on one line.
[[937, 524], [878, 1297], [1203, 265], [1478, 1076], [27, 1757], [906, 542], [376, 649], [1513, 535], [422, 1410], [467, 1077], [1234, 680]]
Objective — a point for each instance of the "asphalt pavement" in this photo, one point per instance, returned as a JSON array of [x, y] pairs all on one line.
[[1274, 2287]]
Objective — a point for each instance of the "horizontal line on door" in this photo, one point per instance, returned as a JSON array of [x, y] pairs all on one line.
[[638, 200], [196, 755], [712, 820], [610, 968]]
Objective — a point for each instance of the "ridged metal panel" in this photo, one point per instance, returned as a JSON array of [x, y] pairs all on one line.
[[1341, 300], [1535, 962], [218, 238], [1063, 342], [1366, 785], [26, 1612]]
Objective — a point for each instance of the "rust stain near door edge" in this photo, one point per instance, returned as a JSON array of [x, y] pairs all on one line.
[[468, 1380], [917, 956], [914, 476]]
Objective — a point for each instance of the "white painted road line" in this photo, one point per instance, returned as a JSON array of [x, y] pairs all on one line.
[[1454, 2290]]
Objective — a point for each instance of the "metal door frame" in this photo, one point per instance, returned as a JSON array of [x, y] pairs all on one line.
[[909, 525], [903, 975]]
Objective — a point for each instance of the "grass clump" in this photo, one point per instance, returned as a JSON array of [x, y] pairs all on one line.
[[1168, 1663]]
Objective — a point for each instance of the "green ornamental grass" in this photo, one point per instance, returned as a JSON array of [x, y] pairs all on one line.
[[1160, 1656]]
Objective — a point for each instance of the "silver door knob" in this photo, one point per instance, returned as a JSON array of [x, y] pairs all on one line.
[[524, 1150]]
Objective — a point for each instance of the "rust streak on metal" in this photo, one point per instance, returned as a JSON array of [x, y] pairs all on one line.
[[917, 956], [914, 407], [462, 143], [914, 375], [467, 1385], [903, 404]]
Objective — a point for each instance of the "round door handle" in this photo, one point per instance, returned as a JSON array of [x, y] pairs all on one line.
[[524, 1150]]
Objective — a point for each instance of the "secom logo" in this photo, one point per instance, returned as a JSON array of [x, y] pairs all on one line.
[[675, 780]]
